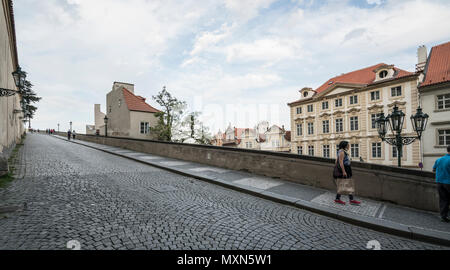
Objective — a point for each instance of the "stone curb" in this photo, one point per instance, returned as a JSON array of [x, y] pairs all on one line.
[[411, 232]]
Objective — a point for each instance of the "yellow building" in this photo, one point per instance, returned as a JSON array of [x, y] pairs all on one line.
[[346, 107]]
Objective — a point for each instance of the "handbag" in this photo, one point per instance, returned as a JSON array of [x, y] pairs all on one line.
[[345, 186], [337, 171]]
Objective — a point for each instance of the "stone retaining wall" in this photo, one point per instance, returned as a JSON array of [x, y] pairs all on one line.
[[406, 187]]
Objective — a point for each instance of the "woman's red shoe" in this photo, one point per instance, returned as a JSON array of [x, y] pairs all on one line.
[[355, 202], [339, 202]]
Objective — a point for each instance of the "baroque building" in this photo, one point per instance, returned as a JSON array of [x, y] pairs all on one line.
[[346, 107]]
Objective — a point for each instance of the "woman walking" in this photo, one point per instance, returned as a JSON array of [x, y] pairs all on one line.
[[343, 173]]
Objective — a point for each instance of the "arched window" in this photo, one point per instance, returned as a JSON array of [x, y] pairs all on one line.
[[383, 74]]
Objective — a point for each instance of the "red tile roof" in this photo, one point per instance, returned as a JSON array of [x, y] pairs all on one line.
[[365, 76], [287, 136], [137, 103], [238, 132], [438, 65], [362, 76]]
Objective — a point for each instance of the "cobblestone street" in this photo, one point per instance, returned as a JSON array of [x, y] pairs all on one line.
[[72, 192]]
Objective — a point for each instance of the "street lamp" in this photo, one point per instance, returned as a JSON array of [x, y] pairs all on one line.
[[58, 127], [395, 121], [106, 125], [19, 79], [70, 126]]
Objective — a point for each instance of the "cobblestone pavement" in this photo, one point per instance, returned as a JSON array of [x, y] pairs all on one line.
[[107, 202]]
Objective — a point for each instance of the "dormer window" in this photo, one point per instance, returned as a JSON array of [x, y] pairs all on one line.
[[305, 94], [383, 74]]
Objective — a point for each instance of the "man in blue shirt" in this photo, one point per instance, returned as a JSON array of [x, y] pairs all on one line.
[[442, 169]]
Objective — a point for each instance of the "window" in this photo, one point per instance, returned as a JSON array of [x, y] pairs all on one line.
[[354, 123], [376, 150], [305, 94], [444, 137], [299, 110], [311, 150], [325, 105], [394, 152], [110, 108], [374, 117], [300, 150], [310, 108], [338, 102], [326, 126], [383, 74], [375, 95], [248, 145], [145, 128], [353, 100], [326, 151], [339, 125], [443, 102], [310, 128], [396, 91], [354, 149], [299, 130]]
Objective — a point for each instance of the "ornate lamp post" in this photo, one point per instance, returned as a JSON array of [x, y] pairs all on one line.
[[19, 79], [395, 121], [106, 125]]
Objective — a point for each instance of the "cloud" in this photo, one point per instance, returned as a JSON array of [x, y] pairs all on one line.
[[227, 52], [245, 10], [374, 2], [267, 49], [356, 33]]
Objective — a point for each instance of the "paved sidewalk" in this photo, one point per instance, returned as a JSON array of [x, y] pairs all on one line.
[[381, 216]]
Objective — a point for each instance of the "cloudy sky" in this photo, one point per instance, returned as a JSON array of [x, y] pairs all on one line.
[[237, 61]]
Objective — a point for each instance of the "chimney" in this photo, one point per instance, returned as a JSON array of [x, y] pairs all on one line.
[[128, 86], [421, 58]]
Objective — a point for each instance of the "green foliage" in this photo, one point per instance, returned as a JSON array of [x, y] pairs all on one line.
[[28, 97], [172, 109]]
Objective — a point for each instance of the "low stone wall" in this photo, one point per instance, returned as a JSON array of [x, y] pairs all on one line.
[[406, 187]]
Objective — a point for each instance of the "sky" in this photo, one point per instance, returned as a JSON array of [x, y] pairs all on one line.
[[236, 61]]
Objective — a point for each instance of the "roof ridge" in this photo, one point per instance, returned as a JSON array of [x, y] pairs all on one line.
[[140, 105]]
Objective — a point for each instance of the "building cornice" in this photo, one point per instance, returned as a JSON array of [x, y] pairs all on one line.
[[375, 107], [397, 103], [437, 86]]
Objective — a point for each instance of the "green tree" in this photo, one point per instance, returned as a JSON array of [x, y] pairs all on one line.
[[169, 117], [29, 97], [193, 130]]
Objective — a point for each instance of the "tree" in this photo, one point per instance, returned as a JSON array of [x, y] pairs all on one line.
[[170, 115], [193, 130], [28, 97]]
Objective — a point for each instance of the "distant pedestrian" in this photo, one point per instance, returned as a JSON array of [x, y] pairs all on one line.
[[343, 175], [69, 134], [442, 169], [73, 134]]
